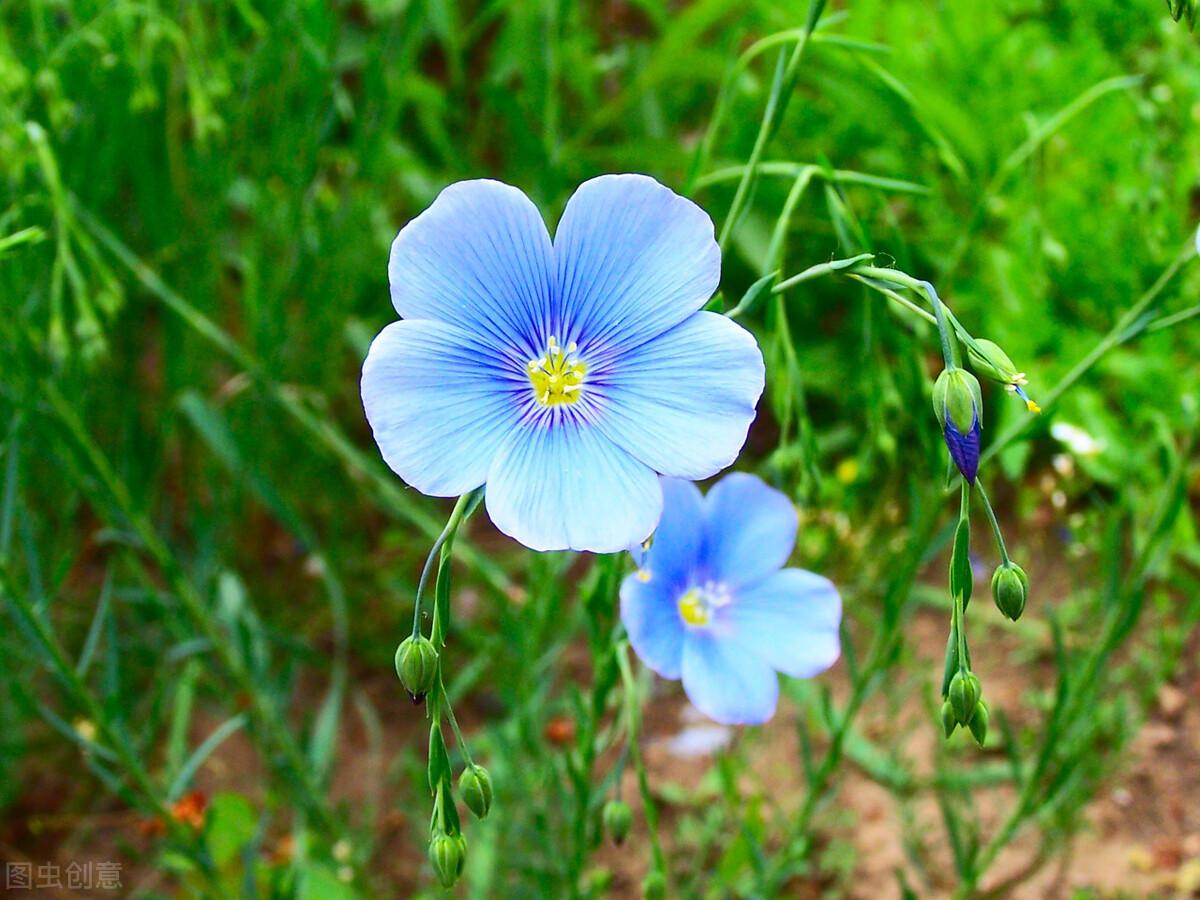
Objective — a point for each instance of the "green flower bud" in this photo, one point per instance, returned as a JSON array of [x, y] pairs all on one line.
[[654, 886], [447, 853], [964, 696], [416, 664], [957, 399], [992, 362], [949, 720], [1010, 589], [475, 786], [979, 723], [618, 817]]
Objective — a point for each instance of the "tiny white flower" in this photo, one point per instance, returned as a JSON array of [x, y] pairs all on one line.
[[1076, 439]]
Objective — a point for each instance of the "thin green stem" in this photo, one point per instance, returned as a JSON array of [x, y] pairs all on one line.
[[633, 730], [960, 607], [266, 716], [385, 489], [458, 735], [112, 738], [781, 89], [1121, 332], [993, 521], [448, 533], [943, 329]]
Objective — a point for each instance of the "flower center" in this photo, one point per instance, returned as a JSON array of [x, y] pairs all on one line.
[[696, 606], [556, 377]]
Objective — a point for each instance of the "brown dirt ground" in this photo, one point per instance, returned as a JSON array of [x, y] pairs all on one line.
[[1142, 836]]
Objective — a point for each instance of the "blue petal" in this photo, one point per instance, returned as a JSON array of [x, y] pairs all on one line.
[[964, 448], [633, 259], [751, 529], [480, 258], [725, 682], [683, 402], [650, 614], [438, 405], [675, 551], [559, 484], [790, 621]]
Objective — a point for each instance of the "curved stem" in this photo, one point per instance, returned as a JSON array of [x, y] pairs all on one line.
[[456, 517], [991, 514], [633, 728]]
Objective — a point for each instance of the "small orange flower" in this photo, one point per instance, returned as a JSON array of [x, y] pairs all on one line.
[[560, 731], [190, 809]]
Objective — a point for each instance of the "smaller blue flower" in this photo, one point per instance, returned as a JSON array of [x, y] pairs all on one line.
[[712, 605]]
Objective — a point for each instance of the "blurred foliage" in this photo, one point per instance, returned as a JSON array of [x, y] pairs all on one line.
[[204, 561]]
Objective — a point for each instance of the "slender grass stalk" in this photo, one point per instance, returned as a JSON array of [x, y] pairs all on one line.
[[384, 487], [1118, 624], [113, 738], [777, 102], [1037, 137], [993, 521], [446, 538], [266, 717], [881, 655], [633, 719], [1121, 332]]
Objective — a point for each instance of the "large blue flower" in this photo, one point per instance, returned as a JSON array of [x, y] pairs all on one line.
[[711, 604], [563, 375]]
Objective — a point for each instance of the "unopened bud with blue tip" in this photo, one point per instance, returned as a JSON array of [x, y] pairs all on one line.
[[958, 404]]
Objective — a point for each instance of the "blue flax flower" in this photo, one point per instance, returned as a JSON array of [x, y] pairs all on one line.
[[711, 604], [563, 375]]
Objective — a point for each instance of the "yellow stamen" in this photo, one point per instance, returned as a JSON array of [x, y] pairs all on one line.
[[1032, 407], [643, 575], [693, 609], [557, 376]]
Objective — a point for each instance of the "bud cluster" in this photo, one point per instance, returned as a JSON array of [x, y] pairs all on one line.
[[964, 706], [447, 854]]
